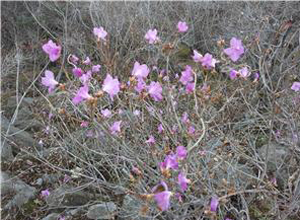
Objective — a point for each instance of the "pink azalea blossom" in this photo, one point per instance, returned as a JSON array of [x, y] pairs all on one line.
[[170, 162], [244, 72], [106, 113], [190, 87], [141, 85], [140, 71], [214, 204], [208, 61], [181, 152], [84, 124], [296, 86], [151, 36], [86, 77], [186, 75], [197, 57], [191, 130], [111, 86], [183, 181], [185, 117], [160, 128], [100, 33], [87, 61], [49, 80], [151, 140], [182, 27], [163, 198], [155, 90], [96, 68], [235, 50], [233, 74], [115, 128], [52, 50], [74, 59], [45, 193], [82, 94], [77, 72]]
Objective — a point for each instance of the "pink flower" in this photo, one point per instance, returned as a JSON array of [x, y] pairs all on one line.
[[74, 59], [77, 72], [111, 86], [191, 130], [151, 36], [244, 72], [256, 76], [183, 181], [155, 90], [181, 152], [45, 193], [160, 128], [163, 198], [52, 50], [96, 68], [197, 56], [140, 85], [214, 204], [208, 61], [116, 127], [136, 112], [235, 50], [186, 75], [100, 33], [182, 27], [233, 74], [86, 77], [189, 88], [49, 80], [82, 94], [106, 113], [296, 86], [185, 117], [84, 124], [151, 140], [170, 162], [140, 71], [87, 61]]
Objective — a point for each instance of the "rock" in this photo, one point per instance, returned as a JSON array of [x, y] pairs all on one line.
[[67, 196], [102, 211], [52, 216], [6, 152], [23, 192], [130, 208]]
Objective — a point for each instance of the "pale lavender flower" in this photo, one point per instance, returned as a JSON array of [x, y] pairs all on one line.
[[140, 71], [67, 178], [170, 162], [96, 68], [214, 204], [182, 27], [208, 61], [191, 130], [49, 80], [186, 75], [244, 72], [141, 85], [233, 74], [84, 124], [74, 59], [185, 118], [236, 49], [197, 57], [183, 181], [296, 86], [163, 198], [150, 140], [115, 128], [111, 86], [100, 33], [151, 36], [106, 113], [87, 61], [160, 128], [82, 94], [189, 88], [86, 77], [136, 112], [155, 90], [45, 193], [52, 50], [181, 152]]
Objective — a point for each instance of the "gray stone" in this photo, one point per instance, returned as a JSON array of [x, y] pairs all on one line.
[[52, 216], [23, 192], [130, 208], [6, 152], [102, 211]]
